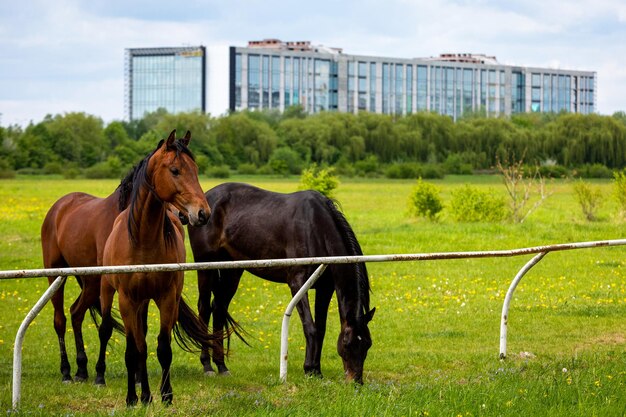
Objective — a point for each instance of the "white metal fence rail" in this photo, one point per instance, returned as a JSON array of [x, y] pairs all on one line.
[[323, 262]]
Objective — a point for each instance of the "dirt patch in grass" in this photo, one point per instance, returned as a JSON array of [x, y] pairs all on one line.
[[611, 339]]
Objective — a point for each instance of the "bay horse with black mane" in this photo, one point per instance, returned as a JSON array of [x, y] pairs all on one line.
[[73, 234], [146, 232], [250, 223]]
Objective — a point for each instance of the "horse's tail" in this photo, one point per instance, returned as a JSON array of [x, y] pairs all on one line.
[[353, 248], [192, 334]]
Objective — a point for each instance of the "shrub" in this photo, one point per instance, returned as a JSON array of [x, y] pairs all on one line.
[[589, 199], [247, 169], [425, 201], [367, 167], [404, 170], [319, 179], [469, 204], [285, 161], [594, 171], [220, 171]]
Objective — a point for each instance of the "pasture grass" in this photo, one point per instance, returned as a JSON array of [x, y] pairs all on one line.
[[435, 331]]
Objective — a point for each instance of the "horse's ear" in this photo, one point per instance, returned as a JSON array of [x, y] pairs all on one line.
[[160, 143], [370, 315], [171, 138], [186, 139]]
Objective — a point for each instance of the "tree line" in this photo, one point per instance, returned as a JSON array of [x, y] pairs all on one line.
[[368, 144]]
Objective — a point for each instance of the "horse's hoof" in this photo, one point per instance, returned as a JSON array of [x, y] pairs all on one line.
[[67, 381], [99, 381], [80, 379], [225, 373], [210, 374]]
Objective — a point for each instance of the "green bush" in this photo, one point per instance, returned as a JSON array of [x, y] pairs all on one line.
[[247, 169], [469, 204], [367, 167], [589, 199], [425, 201], [285, 161], [594, 171], [319, 179], [220, 171], [403, 171]]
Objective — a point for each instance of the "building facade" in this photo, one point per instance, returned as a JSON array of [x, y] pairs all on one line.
[[169, 78], [272, 74]]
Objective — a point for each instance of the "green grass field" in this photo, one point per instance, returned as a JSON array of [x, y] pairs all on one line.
[[435, 332]]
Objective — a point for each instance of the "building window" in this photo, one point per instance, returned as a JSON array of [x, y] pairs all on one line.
[[296, 81], [254, 81], [373, 78], [322, 85], [399, 89], [288, 81], [422, 87], [386, 88], [265, 81], [362, 85], [275, 82], [237, 81]]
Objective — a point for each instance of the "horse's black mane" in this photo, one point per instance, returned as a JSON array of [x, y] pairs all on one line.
[[354, 249], [132, 182]]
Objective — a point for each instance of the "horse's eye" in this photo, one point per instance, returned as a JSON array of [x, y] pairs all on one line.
[[175, 171]]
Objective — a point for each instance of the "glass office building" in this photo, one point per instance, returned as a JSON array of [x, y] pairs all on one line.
[[272, 74], [169, 78]]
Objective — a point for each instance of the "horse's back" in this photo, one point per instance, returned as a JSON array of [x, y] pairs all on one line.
[[252, 223], [76, 227]]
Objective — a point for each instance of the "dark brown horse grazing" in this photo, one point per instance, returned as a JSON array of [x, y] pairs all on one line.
[[146, 233], [73, 234], [251, 223]]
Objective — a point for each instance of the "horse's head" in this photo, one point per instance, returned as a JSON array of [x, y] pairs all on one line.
[[354, 342], [175, 179]]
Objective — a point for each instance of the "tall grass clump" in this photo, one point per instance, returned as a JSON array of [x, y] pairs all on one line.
[[470, 204], [589, 199], [425, 200], [619, 181]]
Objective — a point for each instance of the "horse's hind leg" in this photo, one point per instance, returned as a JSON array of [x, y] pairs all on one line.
[[106, 328], [136, 350], [224, 291], [88, 297], [60, 324]]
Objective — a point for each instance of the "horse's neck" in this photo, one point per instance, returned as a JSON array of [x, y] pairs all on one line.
[[149, 213], [348, 297]]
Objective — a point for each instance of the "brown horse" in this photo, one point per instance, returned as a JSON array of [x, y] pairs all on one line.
[[73, 234], [146, 232], [250, 223]]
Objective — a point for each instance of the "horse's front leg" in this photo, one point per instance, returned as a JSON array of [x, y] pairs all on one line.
[[136, 351], [224, 290], [310, 331]]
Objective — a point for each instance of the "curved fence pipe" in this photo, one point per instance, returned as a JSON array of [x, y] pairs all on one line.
[[61, 273], [504, 319], [21, 332]]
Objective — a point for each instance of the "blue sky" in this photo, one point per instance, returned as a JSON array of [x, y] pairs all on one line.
[[68, 55]]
